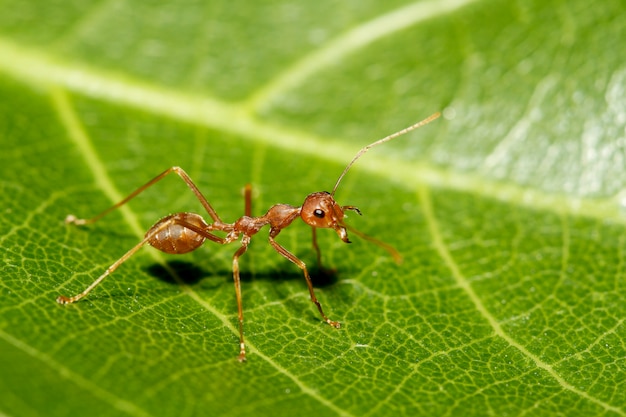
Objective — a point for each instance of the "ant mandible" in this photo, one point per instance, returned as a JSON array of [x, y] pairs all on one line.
[[184, 232]]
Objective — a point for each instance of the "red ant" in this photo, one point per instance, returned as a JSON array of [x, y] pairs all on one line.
[[184, 232]]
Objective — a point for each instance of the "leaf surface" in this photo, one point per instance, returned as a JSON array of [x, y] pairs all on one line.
[[508, 211]]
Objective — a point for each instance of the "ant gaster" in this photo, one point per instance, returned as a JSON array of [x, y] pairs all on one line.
[[184, 232]]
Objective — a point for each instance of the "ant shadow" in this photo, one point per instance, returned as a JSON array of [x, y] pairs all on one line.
[[187, 272], [191, 274], [173, 272]]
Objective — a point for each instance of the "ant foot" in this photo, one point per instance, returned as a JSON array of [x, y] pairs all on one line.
[[70, 219], [61, 299], [335, 324], [242, 351]]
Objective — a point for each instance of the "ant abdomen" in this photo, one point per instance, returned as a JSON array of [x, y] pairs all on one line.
[[172, 236]]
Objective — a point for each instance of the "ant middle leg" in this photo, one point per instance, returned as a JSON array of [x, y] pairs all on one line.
[[316, 247], [236, 277]]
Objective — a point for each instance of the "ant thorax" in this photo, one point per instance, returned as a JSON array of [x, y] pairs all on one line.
[[280, 216]]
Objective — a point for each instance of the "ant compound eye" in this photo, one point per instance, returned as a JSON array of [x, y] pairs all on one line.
[[319, 213]]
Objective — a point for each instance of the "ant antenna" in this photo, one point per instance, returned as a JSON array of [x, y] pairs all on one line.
[[383, 140]]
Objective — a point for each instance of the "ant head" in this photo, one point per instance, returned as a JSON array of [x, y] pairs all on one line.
[[321, 210]]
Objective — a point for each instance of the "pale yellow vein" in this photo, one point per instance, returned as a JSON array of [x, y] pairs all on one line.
[[41, 70], [351, 41], [69, 375], [442, 249]]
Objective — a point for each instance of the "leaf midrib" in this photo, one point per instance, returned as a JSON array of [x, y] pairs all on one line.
[[44, 71]]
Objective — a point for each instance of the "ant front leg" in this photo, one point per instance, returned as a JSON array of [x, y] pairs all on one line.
[[290, 256], [316, 247], [328, 272]]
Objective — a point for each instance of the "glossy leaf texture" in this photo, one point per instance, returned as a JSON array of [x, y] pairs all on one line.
[[508, 211]]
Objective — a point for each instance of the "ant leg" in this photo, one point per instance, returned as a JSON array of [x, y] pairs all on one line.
[[245, 241], [204, 232], [247, 192], [179, 171], [62, 299], [154, 231], [328, 272], [386, 246], [285, 253], [318, 252]]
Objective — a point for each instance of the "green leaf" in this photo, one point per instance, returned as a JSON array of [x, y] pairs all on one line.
[[509, 211]]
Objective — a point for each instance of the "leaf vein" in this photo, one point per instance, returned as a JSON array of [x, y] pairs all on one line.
[[442, 249], [119, 403], [38, 69], [351, 41]]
